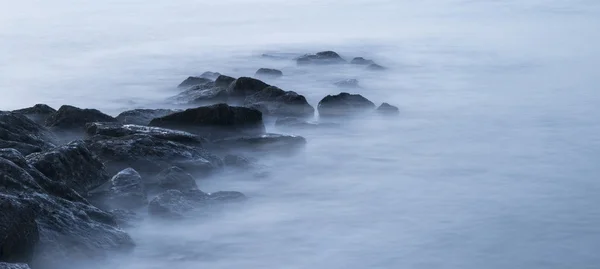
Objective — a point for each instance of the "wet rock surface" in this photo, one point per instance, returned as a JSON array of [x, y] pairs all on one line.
[[37, 113], [244, 87], [24, 135], [19, 230], [322, 58], [268, 73], [193, 81], [142, 116], [175, 178], [265, 142], [74, 118], [174, 204], [275, 101], [127, 190], [120, 130], [344, 104]]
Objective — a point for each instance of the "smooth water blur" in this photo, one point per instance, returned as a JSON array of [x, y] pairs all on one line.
[[492, 162]]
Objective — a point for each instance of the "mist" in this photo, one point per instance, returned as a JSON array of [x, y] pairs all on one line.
[[491, 163]]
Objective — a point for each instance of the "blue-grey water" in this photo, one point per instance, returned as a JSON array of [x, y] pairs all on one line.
[[492, 162]]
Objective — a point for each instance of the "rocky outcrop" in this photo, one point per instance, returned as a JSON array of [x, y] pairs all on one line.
[[175, 178], [24, 135], [120, 130], [193, 81], [174, 204], [275, 101], [344, 104], [142, 116], [210, 75], [223, 81], [388, 109], [207, 93], [361, 61], [268, 73], [149, 155], [74, 118], [18, 230], [72, 164], [127, 190], [125, 218], [265, 142], [37, 113], [215, 121], [324, 57], [244, 87]]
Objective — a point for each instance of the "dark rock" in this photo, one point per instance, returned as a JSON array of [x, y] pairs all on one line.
[[227, 196], [376, 67], [244, 87], [174, 204], [324, 57], [24, 135], [223, 81], [142, 116], [207, 93], [175, 178], [127, 190], [210, 75], [18, 230], [120, 130], [275, 101], [37, 113], [193, 81], [125, 218], [348, 83], [268, 73], [149, 155], [73, 164], [214, 121], [344, 104], [266, 142], [361, 61], [73, 118], [236, 161], [4, 265], [386, 108]]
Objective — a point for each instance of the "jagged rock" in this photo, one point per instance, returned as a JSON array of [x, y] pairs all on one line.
[[127, 190], [266, 142], [361, 61], [224, 81], [275, 101], [210, 75], [142, 116], [174, 204], [244, 87], [268, 73], [214, 121], [18, 230], [149, 155], [120, 130], [175, 178], [376, 67], [348, 83], [73, 164], [67, 230], [24, 135], [202, 94], [37, 113], [4, 265], [125, 218], [236, 161], [344, 104], [324, 57], [74, 118], [193, 81], [388, 109]]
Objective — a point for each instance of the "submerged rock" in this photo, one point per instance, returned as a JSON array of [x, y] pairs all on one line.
[[265, 142], [324, 57], [193, 81], [344, 104], [175, 178], [37, 113], [361, 61], [236, 161], [142, 116], [24, 135], [268, 73], [72, 164], [214, 121], [127, 190], [275, 101], [388, 109], [125, 218], [74, 118], [210, 75], [375, 67], [244, 87], [174, 204], [120, 130]]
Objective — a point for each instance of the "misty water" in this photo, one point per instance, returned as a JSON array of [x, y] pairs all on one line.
[[492, 162]]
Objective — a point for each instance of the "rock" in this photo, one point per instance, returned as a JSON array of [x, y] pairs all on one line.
[[244, 87], [120, 130], [344, 104], [375, 67], [268, 73], [127, 190], [324, 57], [174, 204], [348, 83], [125, 218], [388, 109], [4, 265], [73, 164], [175, 178], [142, 116], [207, 93], [214, 121], [236, 161], [210, 75], [149, 155], [227, 196], [37, 113], [67, 230], [265, 142], [18, 230], [193, 81], [223, 81], [361, 61], [275, 101], [24, 135], [73, 118]]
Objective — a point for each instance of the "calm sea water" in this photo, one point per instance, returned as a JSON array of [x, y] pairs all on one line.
[[492, 162]]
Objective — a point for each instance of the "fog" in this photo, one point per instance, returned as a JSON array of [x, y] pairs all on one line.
[[492, 162]]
